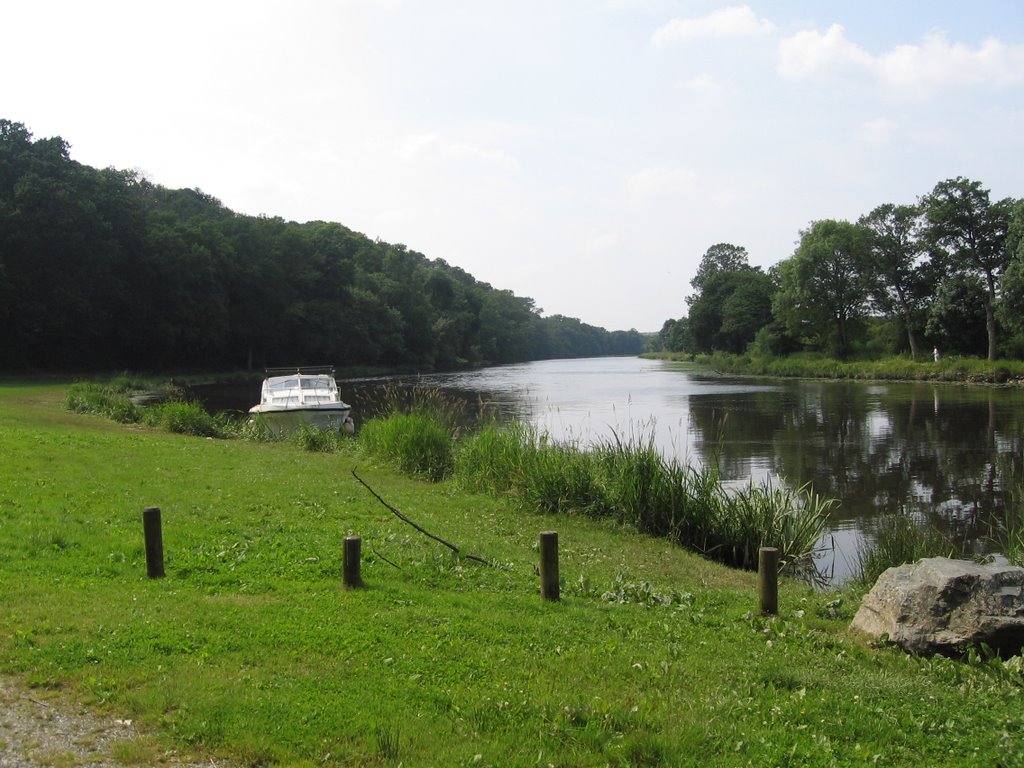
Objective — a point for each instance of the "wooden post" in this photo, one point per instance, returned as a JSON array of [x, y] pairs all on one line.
[[151, 528], [768, 579], [352, 563], [549, 565]]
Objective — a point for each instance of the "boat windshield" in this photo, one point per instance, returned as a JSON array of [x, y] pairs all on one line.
[[282, 384]]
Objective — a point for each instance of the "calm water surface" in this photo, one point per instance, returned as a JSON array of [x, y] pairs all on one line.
[[948, 455]]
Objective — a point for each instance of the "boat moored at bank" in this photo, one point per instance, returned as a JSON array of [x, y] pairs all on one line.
[[292, 397]]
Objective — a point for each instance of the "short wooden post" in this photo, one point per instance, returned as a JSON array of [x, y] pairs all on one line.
[[151, 528], [352, 562], [768, 579], [549, 565]]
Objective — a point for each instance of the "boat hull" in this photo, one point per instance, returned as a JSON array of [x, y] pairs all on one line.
[[283, 421]]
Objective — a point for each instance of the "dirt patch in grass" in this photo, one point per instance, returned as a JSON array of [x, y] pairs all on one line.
[[43, 729]]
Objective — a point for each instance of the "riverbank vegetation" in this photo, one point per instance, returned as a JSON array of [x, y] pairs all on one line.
[[249, 649], [819, 366], [941, 276], [626, 480]]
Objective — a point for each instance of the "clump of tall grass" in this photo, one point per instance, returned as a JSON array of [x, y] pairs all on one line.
[[1008, 536], [320, 439], [899, 539], [630, 482], [110, 402], [743, 521], [114, 400], [414, 429], [425, 401], [185, 418], [414, 443]]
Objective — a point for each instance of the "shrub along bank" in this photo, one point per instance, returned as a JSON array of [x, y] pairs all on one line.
[[250, 648], [817, 366]]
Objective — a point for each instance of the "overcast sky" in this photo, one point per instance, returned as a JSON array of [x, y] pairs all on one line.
[[585, 153]]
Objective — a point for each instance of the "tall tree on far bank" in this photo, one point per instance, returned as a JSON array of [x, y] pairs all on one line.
[[1011, 303], [827, 281], [721, 257], [967, 233], [895, 252]]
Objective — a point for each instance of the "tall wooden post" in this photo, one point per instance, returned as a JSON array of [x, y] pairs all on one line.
[[151, 529], [768, 579], [351, 565], [549, 565]]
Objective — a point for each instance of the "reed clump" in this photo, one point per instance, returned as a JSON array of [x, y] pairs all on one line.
[[414, 431], [166, 407], [630, 482], [112, 402], [899, 539]]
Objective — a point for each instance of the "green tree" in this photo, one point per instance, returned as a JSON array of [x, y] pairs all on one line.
[[896, 250], [721, 257], [956, 319], [827, 282], [1011, 305], [675, 336], [967, 233], [730, 310]]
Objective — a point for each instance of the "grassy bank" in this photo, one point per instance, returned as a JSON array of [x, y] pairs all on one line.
[[810, 366], [250, 648]]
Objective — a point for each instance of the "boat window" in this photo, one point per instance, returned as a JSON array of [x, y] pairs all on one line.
[[284, 384]]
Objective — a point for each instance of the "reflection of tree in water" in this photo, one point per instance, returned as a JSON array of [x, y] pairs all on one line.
[[947, 456]]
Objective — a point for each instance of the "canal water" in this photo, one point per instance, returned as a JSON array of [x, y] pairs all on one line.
[[949, 456]]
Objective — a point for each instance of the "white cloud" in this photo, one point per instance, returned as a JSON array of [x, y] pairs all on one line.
[[878, 131], [937, 62], [919, 69], [809, 53], [732, 21]]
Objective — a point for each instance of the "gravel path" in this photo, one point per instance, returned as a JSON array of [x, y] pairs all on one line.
[[38, 730]]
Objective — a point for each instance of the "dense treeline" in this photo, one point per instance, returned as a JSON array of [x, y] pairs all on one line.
[[102, 269], [945, 273]]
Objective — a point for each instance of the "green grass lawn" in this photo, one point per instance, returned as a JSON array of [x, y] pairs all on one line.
[[250, 648]]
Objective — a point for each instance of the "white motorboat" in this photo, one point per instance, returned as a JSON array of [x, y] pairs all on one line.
[[292, 397]]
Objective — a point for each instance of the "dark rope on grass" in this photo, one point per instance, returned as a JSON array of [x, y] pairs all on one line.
[[418, 527]]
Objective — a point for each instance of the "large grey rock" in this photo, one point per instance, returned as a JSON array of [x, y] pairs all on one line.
[[945, 606]]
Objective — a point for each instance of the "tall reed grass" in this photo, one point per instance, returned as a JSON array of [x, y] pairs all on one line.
[[168, 410], [414, 430], [103, 400], [630, 482], [899, 539]]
